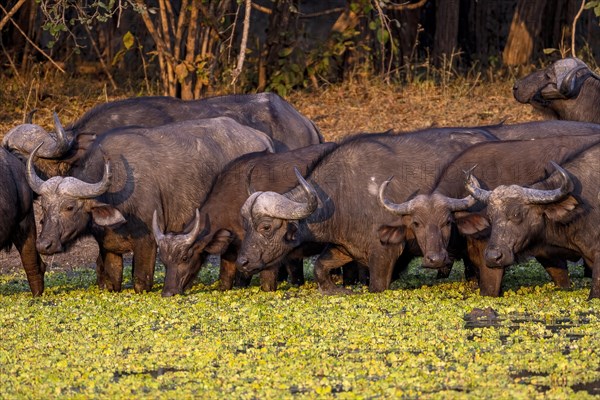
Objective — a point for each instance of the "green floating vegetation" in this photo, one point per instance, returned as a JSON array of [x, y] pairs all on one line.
[[425, 338]]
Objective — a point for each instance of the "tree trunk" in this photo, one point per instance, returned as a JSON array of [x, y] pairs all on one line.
[[524, 30], [446, 30]]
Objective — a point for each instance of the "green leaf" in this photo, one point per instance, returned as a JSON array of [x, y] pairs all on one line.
[[128, 40], [549, 50], [286, 52]]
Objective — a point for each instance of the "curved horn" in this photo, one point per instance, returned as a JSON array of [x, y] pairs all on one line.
[[35, 182], [249, 187], [398, 209], [62, 142], [569, 87], [84, 190], [460, 204], [159, 236], [311, 193], [279, 206], [473, 187], [190, 237], [29, 117], [539, 196]]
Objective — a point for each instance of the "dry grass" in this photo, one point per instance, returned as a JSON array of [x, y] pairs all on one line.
[[338, 110]]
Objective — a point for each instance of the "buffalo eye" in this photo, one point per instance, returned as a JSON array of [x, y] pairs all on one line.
[[266, 229], [416, 224], [185, 258], [70, 207], [516, 216]]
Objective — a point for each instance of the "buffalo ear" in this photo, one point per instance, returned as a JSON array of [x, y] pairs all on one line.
[[470, 223], [219, 242], [292, 229], [561, 211], [106, 215], [392, 234]]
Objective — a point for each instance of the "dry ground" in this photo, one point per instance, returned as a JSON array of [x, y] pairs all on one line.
[[337, 110]]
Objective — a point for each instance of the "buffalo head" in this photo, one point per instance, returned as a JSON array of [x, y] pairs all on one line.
[[519, 215], [427, 218], [184, 253], [273, 225], [22, 139], [67, 206], [555, 91]]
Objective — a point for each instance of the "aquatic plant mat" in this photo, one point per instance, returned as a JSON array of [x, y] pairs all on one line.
[[425, 338]]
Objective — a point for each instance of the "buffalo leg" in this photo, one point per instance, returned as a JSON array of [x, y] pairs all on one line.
[[109, 270], [490, 279], [144, 260], [34, 267], [595, 290], [295, 270], [268, 279], [380, 272], [227, 273], [330, 258], [557, 269]]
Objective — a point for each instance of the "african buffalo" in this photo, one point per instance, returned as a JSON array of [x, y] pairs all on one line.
[[266, 112], [184, 252], [559, 213], [567, 89], [18, 224], [336, 203], [434, 219], [167, 168]]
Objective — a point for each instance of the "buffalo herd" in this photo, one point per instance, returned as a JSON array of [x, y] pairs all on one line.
[[248, 178]]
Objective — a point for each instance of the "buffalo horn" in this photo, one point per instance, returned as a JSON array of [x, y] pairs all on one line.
[[398, 209], [29, 117], [278, 206], [33, 179], [249, 187], [193, 234], [83, 190], [62, 142], [569, 85], [158, 234], [539, 196], [460, 204], [473, 187]]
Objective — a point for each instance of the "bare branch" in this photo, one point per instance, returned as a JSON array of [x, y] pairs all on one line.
[[10, 13], [242, 55], [262, 9], [321, 13], [406, 6], [574, 27]]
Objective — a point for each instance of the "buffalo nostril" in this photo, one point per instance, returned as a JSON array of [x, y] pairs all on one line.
[[494, 255]]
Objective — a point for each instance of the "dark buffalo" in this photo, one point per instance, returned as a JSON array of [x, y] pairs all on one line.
[[184, 253], [567, 89], [336, 204], [266, 112], [559, 213], [18, 224], [168, 169], [432, 219]]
